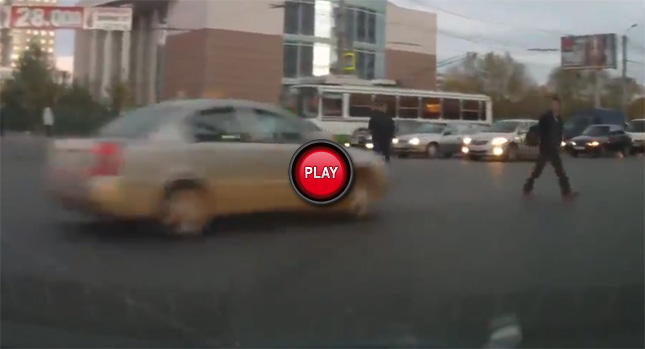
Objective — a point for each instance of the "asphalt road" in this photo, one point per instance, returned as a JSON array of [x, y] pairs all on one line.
[[452, 246]]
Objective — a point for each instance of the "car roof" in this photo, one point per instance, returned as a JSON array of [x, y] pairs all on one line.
[[517, 120], [206, 103]]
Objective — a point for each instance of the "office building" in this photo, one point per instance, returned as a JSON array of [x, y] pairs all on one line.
[[252, 49]]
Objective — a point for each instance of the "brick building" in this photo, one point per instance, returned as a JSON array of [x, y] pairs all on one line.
[[252, 49]]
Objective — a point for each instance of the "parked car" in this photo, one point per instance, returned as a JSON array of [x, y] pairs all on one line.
[[184, 162], [504, 140], [598, 140], [636, 131]]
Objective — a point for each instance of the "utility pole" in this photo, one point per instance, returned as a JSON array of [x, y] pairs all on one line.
[[624, 75], [6, 39], [625, 101], [597, 88], [341, 36]]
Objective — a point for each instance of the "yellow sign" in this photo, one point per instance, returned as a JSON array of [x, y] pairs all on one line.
[[349, 61]]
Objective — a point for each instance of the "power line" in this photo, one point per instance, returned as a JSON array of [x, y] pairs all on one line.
[[504, 24]]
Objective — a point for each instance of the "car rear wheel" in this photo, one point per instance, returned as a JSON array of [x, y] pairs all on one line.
[[185, 212]]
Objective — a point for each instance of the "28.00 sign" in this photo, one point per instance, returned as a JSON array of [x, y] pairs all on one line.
[[46, 17]]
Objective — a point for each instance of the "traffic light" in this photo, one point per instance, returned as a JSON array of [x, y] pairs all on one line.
[[349, 61]]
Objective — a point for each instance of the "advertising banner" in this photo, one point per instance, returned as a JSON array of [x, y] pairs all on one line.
[[65, 17], [596, 51], [108, 18], [46, 17]]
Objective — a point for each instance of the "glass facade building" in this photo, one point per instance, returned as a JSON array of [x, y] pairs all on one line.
[[309, 38]]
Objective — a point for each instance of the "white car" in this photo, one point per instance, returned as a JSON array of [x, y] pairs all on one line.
[[424, 141], [504, 140], [636, 131]]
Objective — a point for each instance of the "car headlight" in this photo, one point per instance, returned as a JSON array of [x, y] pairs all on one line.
[[395, 141], [369, 145], [594, 144], [573, 143], [499, 141], [467, 140], [563, 144], [414, 141]]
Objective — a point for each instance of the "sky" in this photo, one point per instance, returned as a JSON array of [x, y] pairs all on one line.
[[512, 26]]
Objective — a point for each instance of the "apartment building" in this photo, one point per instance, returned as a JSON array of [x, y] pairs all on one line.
[[22, 38], [253, 49]]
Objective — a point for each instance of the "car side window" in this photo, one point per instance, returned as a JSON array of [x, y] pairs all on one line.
[[617, 133], [218, 125], [275, 128]]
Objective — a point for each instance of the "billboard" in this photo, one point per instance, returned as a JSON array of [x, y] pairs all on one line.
[[596, 51], [65, 17], [108, 18]]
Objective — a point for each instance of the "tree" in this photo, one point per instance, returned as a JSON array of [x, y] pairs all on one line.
[[30, 89], [498, 76], [120, 97], [637, 109], [576, 88]]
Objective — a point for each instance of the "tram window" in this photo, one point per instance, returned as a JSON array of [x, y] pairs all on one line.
[[431, 108], [408, 107], [332, 104], [482, 111], [360, 105], [451, 109], [390, 101], [469, 110]]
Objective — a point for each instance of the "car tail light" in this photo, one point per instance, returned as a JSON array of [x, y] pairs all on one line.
[[108, 159]]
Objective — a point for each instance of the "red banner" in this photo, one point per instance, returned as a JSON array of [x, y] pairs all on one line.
[[46, 17]]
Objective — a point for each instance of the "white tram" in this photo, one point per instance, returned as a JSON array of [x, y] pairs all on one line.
[[341, 108]]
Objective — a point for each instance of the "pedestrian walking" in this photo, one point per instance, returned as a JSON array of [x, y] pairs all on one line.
[[549, 131], [48, 121], [382, 128]]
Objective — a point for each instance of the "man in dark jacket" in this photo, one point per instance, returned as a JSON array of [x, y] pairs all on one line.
[[550, 138], [382, 128]]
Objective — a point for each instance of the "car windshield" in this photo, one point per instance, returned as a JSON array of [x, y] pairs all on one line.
[[139, 122], [596, 131], [502, 127], [636, 126], [407, 127], [430, 128]]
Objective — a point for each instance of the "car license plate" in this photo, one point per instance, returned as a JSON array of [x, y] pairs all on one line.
[[579, 148]]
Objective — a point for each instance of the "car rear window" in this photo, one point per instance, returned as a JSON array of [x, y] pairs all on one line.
[[139, 122]]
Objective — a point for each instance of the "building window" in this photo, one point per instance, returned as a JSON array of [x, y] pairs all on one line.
[[290, 61], [306, 61], [365, 61], [361, 25], [299, 17], [298, 60]]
